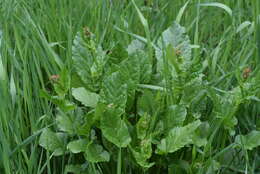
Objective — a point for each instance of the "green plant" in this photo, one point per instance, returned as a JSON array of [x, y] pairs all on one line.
[[136, 73], [127, 113]]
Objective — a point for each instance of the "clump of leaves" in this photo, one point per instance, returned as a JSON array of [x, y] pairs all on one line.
[[128, 107]]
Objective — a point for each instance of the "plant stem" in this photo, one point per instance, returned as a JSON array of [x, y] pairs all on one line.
[[119, 162]]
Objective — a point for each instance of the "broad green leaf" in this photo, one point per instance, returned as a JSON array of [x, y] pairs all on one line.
[[158, 132], [135, 46], [147, 103], [143, 152], [76, 81], [87, 98], [100, 60], [76, 169], [142, 126], [136, 49], [145, 66], [89, 61], [172, 58], [177, 138], [78, 146], [249, 141], [89, 120], [175, 116], [199, 141], [114, 128], [194, 99], [226, 107], [70, 122], [213, 166], [62, 85], [199, 137], [177, 38], [51, 141], [130, 74], [114, 91], [130, 70], [82, 60], [66, 105], [95, 153], [65, 123], [134, 70]]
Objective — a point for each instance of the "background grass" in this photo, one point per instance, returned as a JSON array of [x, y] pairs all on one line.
[[36, 42]]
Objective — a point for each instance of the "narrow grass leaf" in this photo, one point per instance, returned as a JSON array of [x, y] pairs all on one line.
[[243, 26], [181, 11], [219, 5]]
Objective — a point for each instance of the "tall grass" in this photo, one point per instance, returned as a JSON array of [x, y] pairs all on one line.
[[36, 42]]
